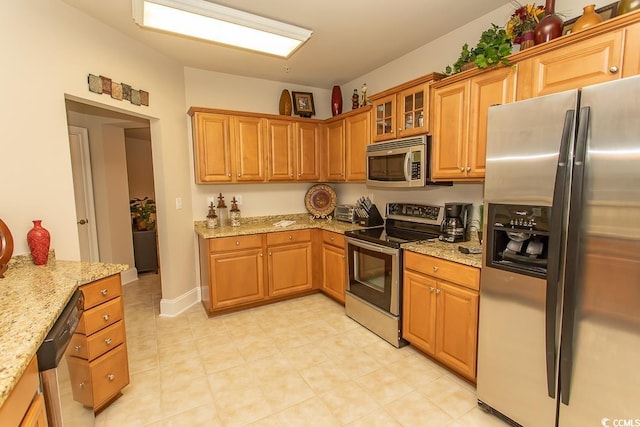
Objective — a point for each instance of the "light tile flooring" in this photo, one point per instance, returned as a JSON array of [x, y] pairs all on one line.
[[297, 363]]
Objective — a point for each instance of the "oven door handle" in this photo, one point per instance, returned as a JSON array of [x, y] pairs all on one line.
[[371, 246]]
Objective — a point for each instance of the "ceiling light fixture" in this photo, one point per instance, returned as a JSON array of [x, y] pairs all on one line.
[[220, 24]]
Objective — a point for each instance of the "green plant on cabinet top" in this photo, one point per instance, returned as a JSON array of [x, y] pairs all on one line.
[[492, 49]]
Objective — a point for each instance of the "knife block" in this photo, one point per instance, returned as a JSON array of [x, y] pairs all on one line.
[[374, 219]]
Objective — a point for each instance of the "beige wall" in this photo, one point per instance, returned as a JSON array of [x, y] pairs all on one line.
[[50, 48], [139, 164]]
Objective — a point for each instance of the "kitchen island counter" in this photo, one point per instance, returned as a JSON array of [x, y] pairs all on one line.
[[31, 299]]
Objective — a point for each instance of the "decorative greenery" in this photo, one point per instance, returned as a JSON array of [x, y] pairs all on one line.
[[492, 49], [143, 213], [524, 19]]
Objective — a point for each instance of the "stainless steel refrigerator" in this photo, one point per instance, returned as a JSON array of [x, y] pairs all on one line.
[[559, 337]]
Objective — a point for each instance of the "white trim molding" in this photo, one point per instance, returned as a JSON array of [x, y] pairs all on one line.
[[173, 307]]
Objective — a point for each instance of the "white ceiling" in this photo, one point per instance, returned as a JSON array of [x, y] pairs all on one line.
[[350, 37]]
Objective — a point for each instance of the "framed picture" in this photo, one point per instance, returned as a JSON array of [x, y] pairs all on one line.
[[303, 104], [606, 12]]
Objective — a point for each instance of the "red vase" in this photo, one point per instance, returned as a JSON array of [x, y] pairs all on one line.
[[550, 26], [39, 239], [336, 101]]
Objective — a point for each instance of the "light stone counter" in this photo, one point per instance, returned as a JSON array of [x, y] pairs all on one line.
[[31, 299], [265, 224], [447, 251]]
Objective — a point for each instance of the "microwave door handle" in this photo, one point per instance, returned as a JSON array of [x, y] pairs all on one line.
[[407, 167]]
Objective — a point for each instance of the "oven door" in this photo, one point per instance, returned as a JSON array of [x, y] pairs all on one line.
[[373, 274]]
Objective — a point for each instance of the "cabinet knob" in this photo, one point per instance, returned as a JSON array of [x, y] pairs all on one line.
[[269, 253], [239, 175], [229, 175], [81, 385], [77, 348], [468, 168], [432, 289], [237, 243], [438, 291], [291, 175], [332, 239], [104, 292], [111, 377], [613, 69], [106, 317], [261, 254], [290, 237], [435, 268], [462, 169], [108, 341]]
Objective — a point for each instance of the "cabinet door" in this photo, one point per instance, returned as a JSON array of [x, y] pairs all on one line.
[[334, 271], [249, 141], [335, 151], [357, 137], [450, 131], [587, 62], [384, 118], [280, 151], [36, 416], [290, 269], [413, 111], [419, 311], [457, 328], [236, 277], [212, 148], [490, 88], [308, 151], [631, 64]]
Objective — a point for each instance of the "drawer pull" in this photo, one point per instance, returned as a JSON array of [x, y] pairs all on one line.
[[435, 268], [237, 243], [82, 385], [104, 292], [290, 237], [108, 341], [332, 239], [111, 377], [77, 348], [106, 317]]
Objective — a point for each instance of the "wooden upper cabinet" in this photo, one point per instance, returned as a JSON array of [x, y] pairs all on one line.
[[357, 130], [586, 62], [308, 140], [335, 151], [249, 141], [212, 148], [280, 150], [631, 65], [402, 110], [460, 122]]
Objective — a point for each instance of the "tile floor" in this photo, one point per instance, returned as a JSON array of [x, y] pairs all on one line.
[[297, 363]]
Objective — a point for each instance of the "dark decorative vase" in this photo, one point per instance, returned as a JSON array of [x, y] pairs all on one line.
[[336, 100], [285, 103], [550, 26], [39, 239], [627, 6], [589, 17], [527, 40]]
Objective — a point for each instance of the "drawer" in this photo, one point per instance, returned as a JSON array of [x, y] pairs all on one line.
[[18, 402], [283, 237], [95, 383], [443, 269], [233, 243], [102, 290], [100, 317], [331, 238], [97, 344]]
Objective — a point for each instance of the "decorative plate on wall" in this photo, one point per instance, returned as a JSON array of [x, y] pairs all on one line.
[[320, 200], [6, 247]]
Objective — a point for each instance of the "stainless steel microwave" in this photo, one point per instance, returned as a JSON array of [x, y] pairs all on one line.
[[399, 163]]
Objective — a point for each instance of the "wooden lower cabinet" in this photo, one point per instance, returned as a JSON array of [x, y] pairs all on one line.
[[290, 257], [440, 311], [333, 265], [24, 406], [97, 353]]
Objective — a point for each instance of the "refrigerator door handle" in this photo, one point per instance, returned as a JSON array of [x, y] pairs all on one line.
[[573, 254], [555, 245]]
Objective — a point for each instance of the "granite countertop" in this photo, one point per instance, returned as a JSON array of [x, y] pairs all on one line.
[[447, 251], [265, 224], [31, 299]]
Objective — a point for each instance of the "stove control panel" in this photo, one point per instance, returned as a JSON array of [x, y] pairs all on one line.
[[429, 214]]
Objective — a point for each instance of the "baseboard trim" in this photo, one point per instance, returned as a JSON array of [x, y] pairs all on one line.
[[173, 307], [129, 275]]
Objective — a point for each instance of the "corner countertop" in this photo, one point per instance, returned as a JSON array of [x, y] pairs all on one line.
[[447, 251], [31, 299], [265, 224]]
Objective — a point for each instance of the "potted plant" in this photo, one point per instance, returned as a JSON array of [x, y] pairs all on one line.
[[143, 213], [492, 49], [522, 24]]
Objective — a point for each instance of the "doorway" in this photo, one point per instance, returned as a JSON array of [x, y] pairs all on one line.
[[116, 173]]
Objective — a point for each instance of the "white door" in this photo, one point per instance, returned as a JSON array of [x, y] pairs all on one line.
[[83, 189]]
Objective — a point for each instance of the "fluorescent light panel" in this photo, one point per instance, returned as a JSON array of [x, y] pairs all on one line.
[[220, 24]]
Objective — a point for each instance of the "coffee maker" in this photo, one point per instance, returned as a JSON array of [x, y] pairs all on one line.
[[454, 224]]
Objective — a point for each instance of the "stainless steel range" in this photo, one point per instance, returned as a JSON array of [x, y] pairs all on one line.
[[374, 266]]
